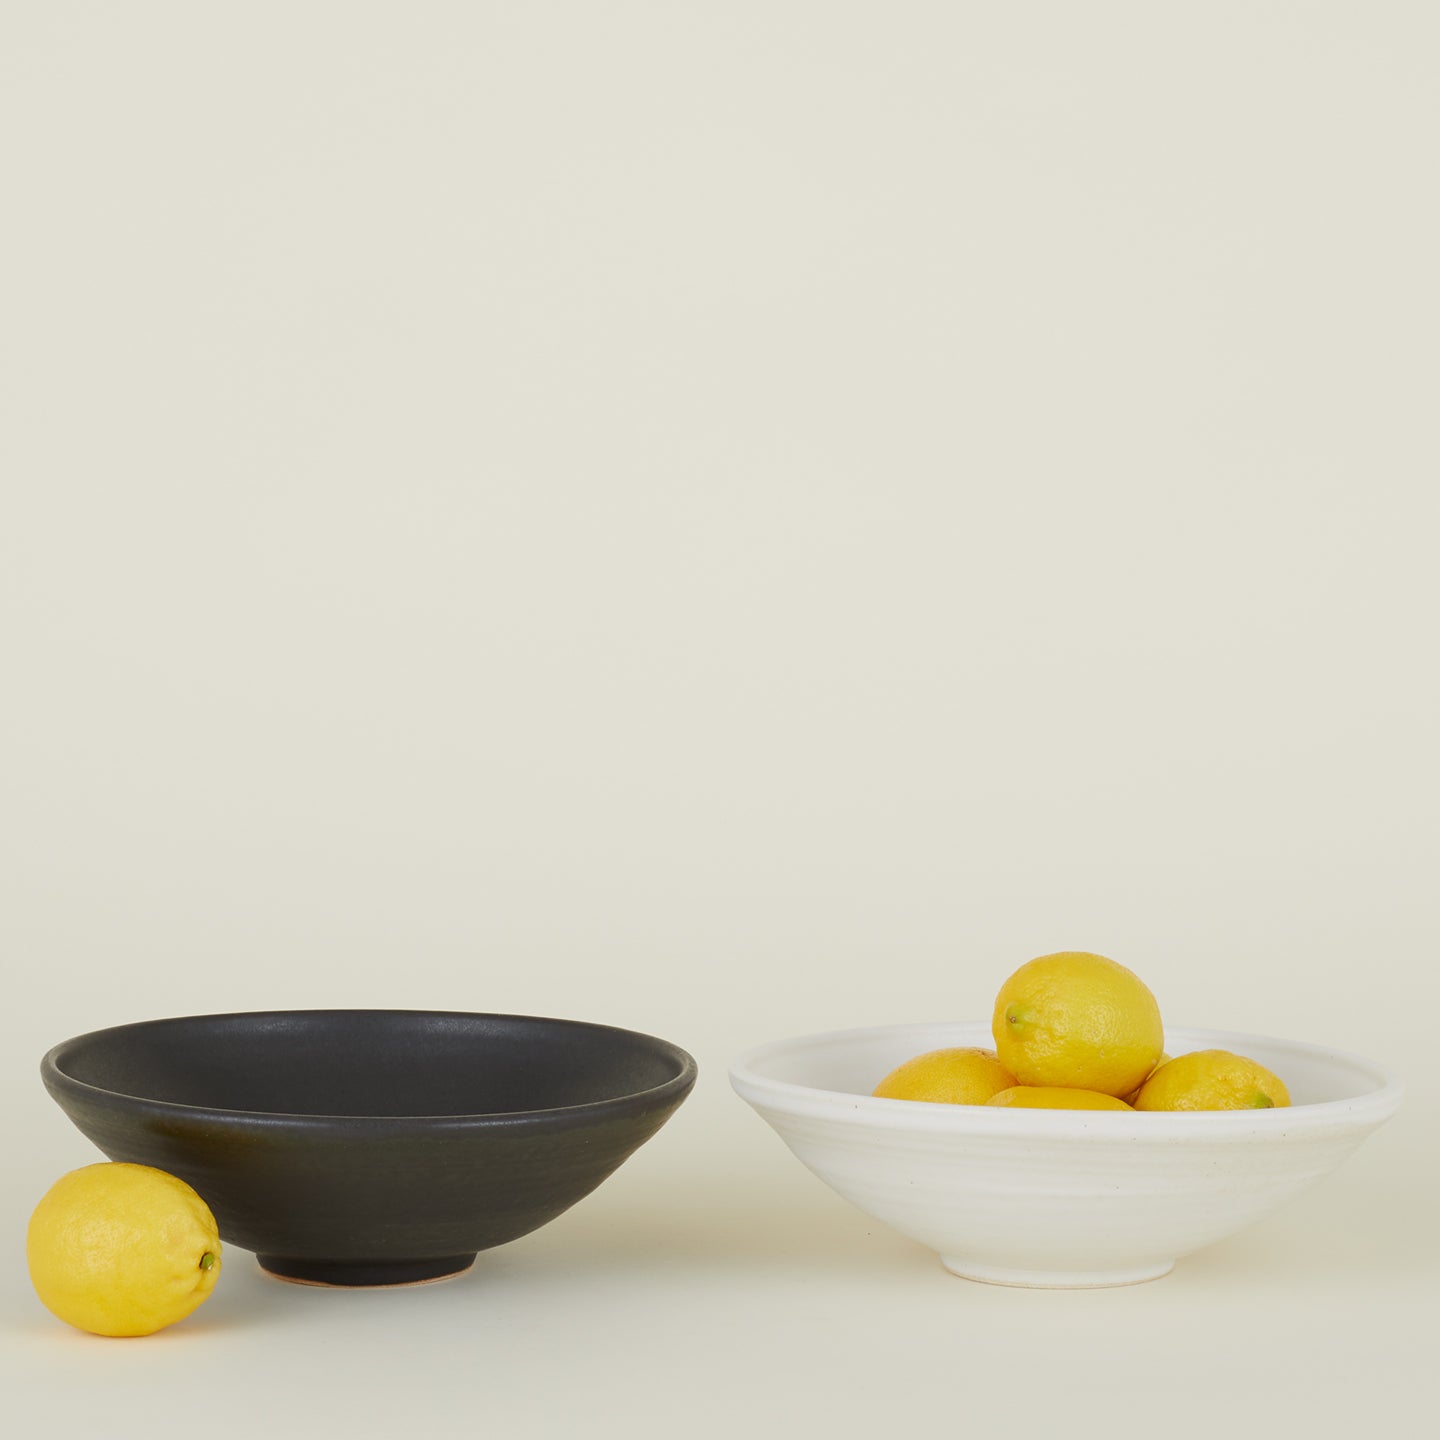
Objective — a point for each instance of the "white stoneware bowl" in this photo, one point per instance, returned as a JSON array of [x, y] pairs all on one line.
[[1059, 1198]]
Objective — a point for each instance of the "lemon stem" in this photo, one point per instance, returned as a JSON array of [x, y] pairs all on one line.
[[207, 1260]]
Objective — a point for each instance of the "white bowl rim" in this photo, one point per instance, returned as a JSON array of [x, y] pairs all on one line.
[[1361, 1112]]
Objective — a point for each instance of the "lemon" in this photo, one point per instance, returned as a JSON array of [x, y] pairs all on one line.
[[1055, 1097], [1130, 1098], [1212, 1080], [963, 1075], [120, 1249], [1079, 1021]]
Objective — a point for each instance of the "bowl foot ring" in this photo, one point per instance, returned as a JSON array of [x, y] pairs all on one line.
[[364, 1274], [1055, 1279]]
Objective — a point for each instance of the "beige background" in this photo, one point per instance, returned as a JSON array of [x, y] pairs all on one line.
[[728, 519]]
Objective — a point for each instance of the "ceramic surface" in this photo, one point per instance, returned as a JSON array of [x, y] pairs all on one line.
[[1059, 1198], [372, 1147]]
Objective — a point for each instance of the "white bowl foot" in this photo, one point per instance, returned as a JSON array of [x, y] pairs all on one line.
[[1054, 1279]]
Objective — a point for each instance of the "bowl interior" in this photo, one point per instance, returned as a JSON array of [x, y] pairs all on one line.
[[853, 1062], [371, 1063]]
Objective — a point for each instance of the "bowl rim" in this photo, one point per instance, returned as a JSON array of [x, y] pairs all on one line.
[[61, 1084], [1363, 1111]]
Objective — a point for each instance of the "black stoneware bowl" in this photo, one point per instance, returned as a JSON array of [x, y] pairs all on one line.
[[372, 1147]]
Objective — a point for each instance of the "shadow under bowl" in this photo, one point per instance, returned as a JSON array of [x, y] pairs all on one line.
[[372, 1147]]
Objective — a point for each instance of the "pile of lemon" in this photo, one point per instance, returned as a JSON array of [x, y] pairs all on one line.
[[1075, 1031]]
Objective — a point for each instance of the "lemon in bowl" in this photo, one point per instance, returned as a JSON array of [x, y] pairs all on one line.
[[1055, 1097], [955, 1075], [1212, 1080], [1080, 1021]]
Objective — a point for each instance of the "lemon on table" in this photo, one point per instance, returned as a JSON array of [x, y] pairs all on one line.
[[1077, 1020], [1055, 1097], [119, 1249], [961, 1075], [1212, 1080]]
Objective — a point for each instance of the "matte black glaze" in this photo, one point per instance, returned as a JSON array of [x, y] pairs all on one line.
[[364, 1147]]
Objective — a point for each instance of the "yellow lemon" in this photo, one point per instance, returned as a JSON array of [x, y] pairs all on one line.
[[1055, 1097], [1079, 1021], [121, 1249], [960, 1076], [1212, 1080], [1130, 1098]]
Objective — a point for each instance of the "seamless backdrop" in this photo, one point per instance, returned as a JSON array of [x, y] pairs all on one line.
[[727, 520]]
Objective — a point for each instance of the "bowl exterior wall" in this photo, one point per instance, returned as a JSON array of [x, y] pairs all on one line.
[[1093, 1206], [367, 1193]]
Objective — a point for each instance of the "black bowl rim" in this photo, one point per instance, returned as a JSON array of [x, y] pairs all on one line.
[[672, 1091]]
